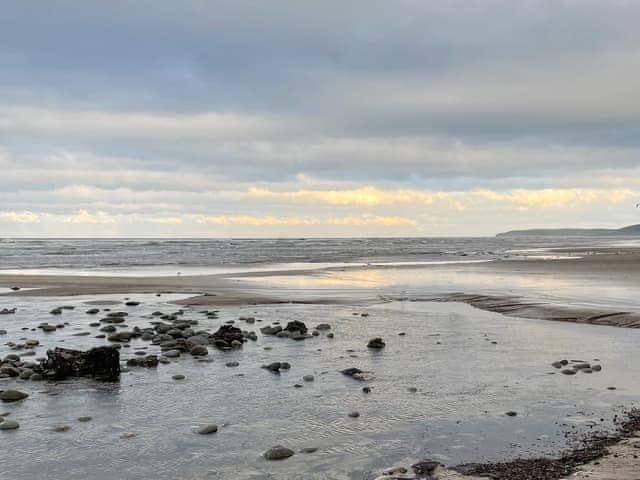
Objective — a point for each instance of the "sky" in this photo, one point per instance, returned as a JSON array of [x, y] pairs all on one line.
[[333, 118]]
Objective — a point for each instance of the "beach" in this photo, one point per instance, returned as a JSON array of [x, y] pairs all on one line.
[[466, 375]]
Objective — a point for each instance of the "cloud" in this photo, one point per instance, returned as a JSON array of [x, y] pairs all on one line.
[[555, 198], [23, 120], [363, 220], [20, 217], [85, 217], [166, 220]]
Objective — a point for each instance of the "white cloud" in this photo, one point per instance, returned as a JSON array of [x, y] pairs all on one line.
[[85, 217], [19, 217]]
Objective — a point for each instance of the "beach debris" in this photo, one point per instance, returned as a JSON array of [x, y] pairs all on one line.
[[278, 452], [102, 363]]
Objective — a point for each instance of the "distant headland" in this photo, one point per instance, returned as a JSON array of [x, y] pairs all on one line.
[[630, 230]]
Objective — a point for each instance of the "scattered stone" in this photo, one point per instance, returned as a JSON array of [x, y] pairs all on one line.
[[296, 326], [12, 395], [208, 429], [354, 414], [93, 311], [84, 419], [308, 378], [199, 350], [9, 425], [568, 371], [232, 364], [271, 330], [323, 326], [128, 435], [309, 450], [178, 377], [62, 428], [278, 453], [511, 413], [227, 337], [366, 389], [425, 467]]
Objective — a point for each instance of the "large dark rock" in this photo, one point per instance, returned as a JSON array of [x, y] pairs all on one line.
[[227, 337], [296, 326], [102, 363]]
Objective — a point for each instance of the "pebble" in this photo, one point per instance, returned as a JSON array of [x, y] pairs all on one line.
[[208, 429], [12, 395], [178, 377], [308, 378], [278, 453], [62, 428], [84, 419], [232, 364], [354, 414], [9, 425]]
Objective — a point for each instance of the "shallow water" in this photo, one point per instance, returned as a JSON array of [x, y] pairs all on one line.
[[465, 384]]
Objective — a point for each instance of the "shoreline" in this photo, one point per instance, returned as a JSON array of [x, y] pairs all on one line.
[[600, 456]]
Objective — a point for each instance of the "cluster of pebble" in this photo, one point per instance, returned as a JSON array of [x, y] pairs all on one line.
[[575, 366]]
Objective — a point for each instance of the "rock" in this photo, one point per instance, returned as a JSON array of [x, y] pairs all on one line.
[[227, 337], [271, 330], [178, 377], [425, 467], [10, 371], [12, 395], [208, 429], [556, 364], [308, 378], [309, 450], [132, 303], [84, 419], [56, 311], [568, 371], [128, 435], [102, 363], [412, 389], [61, 428], [93, 311], [278, 453], [354, 414], [199, 350], [273, 367], [232, 364], [353, 372], [366, 389], [171, 353], [376, 343], [581, 366], [15, 289], [330, 335], [296, 326], [9, 425], [511, 413], [323, 326], [596, 368]]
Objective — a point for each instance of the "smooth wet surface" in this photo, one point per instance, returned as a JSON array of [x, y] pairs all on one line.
[[464, 385]]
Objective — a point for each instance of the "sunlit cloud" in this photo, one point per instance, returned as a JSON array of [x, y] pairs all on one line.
[[554, 198], [166, 220], [85, 217], [362, 220], [19, 217]]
